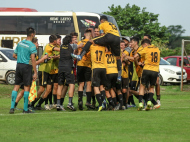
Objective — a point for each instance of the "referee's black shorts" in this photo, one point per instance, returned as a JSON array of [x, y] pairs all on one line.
[[23, 74]]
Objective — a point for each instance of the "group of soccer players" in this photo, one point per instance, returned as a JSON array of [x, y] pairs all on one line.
[[108, 69]]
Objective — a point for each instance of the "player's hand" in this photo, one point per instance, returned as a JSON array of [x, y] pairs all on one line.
[[139, 63], [35, 76], [80, 45], [123, 54], [45, 57]]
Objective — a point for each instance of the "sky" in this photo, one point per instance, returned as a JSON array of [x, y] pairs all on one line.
[[171, 12]]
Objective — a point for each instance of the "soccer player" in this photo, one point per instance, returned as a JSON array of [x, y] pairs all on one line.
[[84, 73], [65, 74], [38, 61], [150, 70], [157, 87], [24, 51], [109, 37], [45, 79], [54, 76], [98, 71], [111, 73]]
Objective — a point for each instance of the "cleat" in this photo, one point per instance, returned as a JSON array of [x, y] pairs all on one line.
[[118, 80], [78, 57], [71, 107], [100, 108], [140, 107], [89, 105], [28, 111], [31, 108], [104, 105], [80, 105], [17, 108], [148, 107], [158, 102], [38, 108], [47, 107], [122, 108], [116, 108], [11, 111], [60, 108], [156, 106]]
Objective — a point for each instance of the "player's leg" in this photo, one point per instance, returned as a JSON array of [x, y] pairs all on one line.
[[110, 99], [157, 88], [19, 97], [80, 95], [71, 93], [89, 95], [103, 96], [59, 93]]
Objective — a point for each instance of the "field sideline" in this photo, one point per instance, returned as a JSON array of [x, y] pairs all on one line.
[[169, 123]]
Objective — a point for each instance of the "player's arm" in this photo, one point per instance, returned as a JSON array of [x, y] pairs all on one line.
[[15, 53], [100, 27], [56, 49], [32, 56], [42, 59], [140, 53]]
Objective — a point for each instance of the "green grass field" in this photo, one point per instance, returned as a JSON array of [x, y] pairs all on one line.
[[169, 123]]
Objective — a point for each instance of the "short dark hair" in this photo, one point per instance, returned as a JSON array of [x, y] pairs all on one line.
[[135, 39], [122, 41], [145, 41], [87, 31], [30, 31], [148, 36], [58, 36], [103, 17], [96, 27], [34, 40], [74, 34], [67, 39], [52, 38]]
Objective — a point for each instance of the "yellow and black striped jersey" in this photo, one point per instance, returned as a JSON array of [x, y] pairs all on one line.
[[111, 63]]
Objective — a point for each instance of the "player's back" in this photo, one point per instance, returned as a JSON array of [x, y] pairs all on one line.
[[111, 63], [109, 27], [97, 56], [152, 58]]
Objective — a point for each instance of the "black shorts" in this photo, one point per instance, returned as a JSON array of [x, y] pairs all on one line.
[[55, 78], [111, 81], [125, 83], [44, 78], [149, 77], [23, 74], [99, 77], [109, 40], [83, 74], [66, 76]]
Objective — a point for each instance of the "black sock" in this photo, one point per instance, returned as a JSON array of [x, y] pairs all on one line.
[[40, 102], [70, 100], [154, 101], [140, 98], [103, 95], [119, 66], [33, 103], [50, 98], [55, 98], [129, 100], [58, 102], [85, 48], [88, 94], [150, 96], [158, 97], [120, 96], [110, 100], [93, 99], [16, 104], [62, 100], [80, 96], [117, 97], [99, 99], [124, 98], [114, 101], [145, 98], [46, 100], [132, 100]]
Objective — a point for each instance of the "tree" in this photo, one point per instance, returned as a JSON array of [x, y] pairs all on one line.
[[133, 21], [175, 31]]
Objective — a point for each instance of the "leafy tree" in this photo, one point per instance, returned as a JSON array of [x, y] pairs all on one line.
[[133, 21], [175, 31]]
